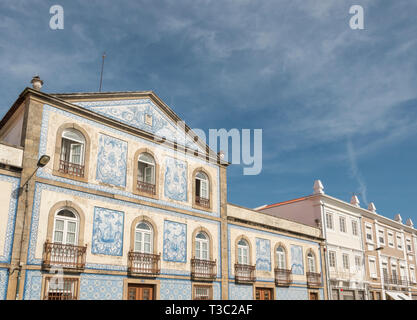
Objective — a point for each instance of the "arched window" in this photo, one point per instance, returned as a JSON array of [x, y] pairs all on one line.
[[281, 261], [143, 238], [202, 246], [146, 173], [311, 262], [242, 252], [72, 153], [72, 147], [66, 227], [202, 188]]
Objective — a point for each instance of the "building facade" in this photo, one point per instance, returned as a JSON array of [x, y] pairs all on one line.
[[361, 262], [110, 196]]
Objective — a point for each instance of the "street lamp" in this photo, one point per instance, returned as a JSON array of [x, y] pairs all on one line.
[[42, 162]]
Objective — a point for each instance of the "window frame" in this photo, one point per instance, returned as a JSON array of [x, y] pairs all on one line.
[[66, 221], [144, 232], [342, 218]]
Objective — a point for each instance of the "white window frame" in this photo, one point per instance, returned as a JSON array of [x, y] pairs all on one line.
[[400, 243], [408, 243], [372, 263], [329, 221], [355, 230], [66, 221], [205, 182], [342, 224], [345, 261], [381, 234], [281, 258], [358, 262], [200, 252], [73, 141], [368, 227], [243, 253], [391, 242], [142, 234], [332, 257], [311, 262]]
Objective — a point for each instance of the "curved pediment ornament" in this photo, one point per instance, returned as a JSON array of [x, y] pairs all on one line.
[[145, 115]]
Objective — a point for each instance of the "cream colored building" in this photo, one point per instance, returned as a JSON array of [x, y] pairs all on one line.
[[349, 252]]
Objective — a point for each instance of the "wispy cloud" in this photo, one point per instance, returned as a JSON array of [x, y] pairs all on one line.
[[354, 170]]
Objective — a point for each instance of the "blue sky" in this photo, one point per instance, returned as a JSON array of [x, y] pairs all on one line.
[[334, 104]]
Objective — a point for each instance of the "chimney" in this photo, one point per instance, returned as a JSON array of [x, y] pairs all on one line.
[[398, 218], [355, 201], [372, 207], [409, 223], [318, 187], [37, 83]]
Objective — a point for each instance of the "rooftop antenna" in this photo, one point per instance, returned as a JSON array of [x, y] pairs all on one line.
[[102, 67]]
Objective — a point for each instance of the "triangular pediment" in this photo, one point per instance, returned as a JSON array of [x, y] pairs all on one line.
[[142, 114]]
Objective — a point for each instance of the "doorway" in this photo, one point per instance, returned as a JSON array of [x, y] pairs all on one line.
[[140, 292], [264, 294], [314, 296]]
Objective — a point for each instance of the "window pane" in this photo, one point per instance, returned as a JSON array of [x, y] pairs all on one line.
[[58, 236], [70, 238], [59, 225], [71, 226]]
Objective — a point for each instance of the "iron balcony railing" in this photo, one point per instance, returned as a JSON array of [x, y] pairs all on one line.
[[202, 201], [63, 255], [146, 187], [313, 279], [71, 168], [244, 273], [203, 269], [396, 281], [144, 263], [283, 277]]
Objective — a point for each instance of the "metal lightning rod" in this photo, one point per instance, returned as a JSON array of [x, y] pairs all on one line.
[[102, 68]]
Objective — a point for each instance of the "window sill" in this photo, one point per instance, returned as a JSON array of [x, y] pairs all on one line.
[[69, 176]]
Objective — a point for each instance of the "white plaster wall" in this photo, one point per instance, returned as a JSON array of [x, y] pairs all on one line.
[[50, 198], [5, 196], [56, 120]]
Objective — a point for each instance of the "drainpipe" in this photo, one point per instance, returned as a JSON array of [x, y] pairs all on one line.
[[365, 286], [329, 293]]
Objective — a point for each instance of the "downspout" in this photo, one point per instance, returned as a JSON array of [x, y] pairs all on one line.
[[329, 293], [365, 285]]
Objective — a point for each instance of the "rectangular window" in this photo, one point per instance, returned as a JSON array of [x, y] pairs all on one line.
[[329, 220], [342, 223], [202, 292], [58, 288], [354, 228], [412, 274], [345, 258], [372, 269], [391, 239], [332, 259], [368, 233], [358, 262], [408, 245], [399, 242], [381, 236]]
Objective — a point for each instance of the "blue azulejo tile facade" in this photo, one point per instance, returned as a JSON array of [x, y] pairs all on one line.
[[107, 232], [4, 277], [263, 254], [101, 287], [175, 241], [9, 220], [175, 186], [111, 161]]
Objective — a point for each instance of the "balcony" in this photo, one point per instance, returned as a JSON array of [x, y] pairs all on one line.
[[145, 264], [283, 277], [203, 202], [70, 168], [244, 273], [313, 279], [67, 256], [203, 269], [146, 187], [396, 281]]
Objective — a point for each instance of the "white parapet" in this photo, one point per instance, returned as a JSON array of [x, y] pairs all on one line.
[[12, 156]]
